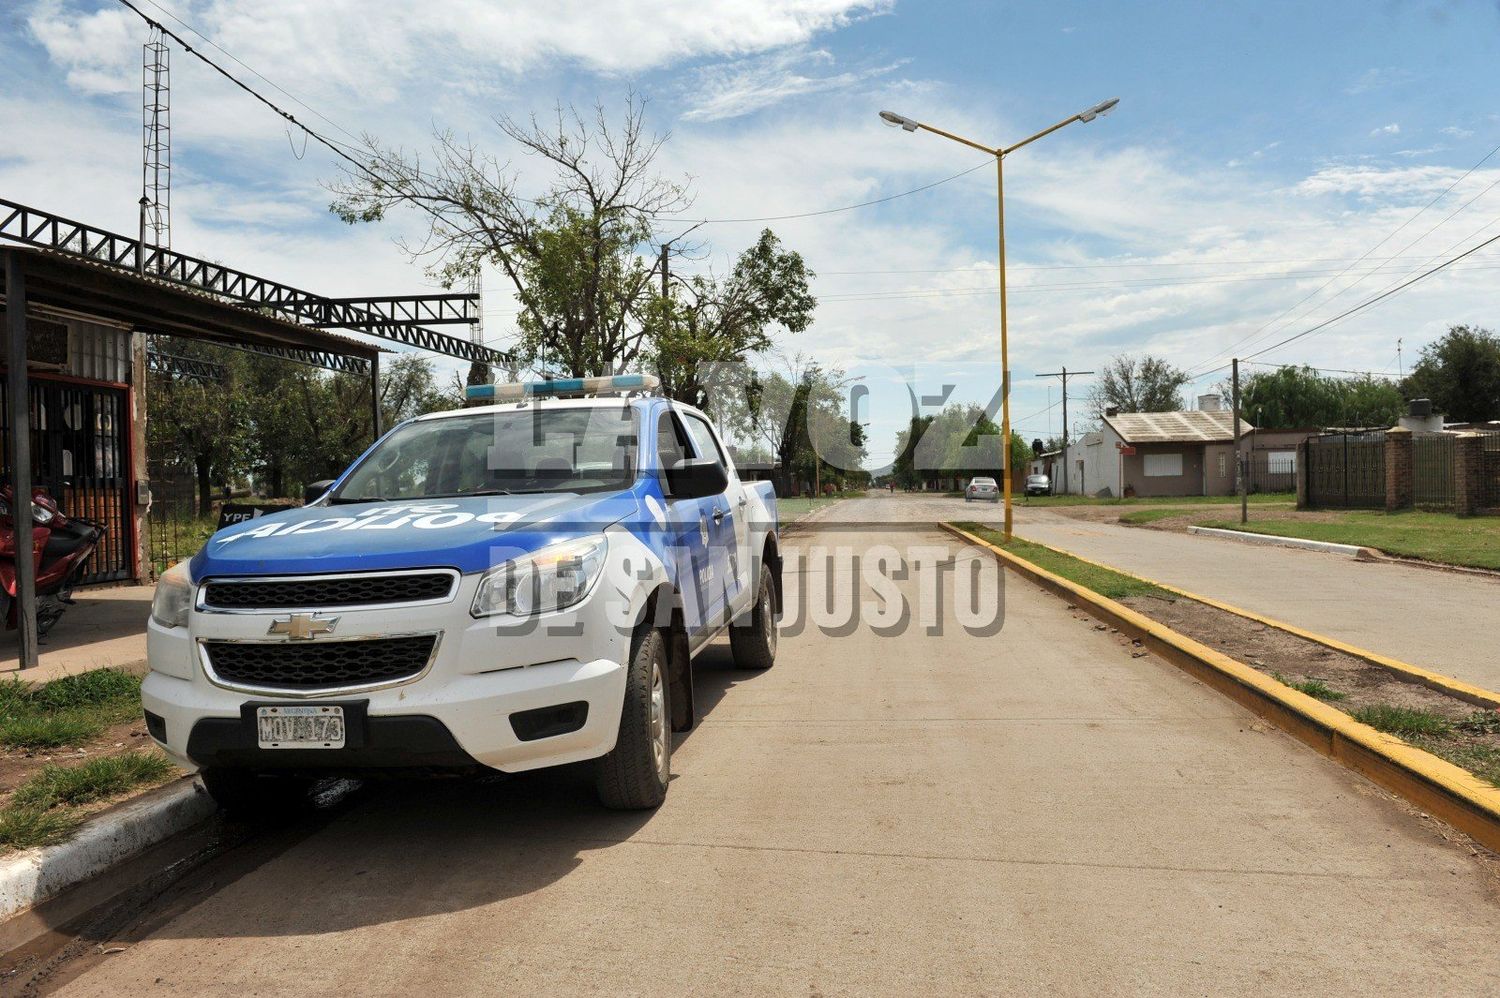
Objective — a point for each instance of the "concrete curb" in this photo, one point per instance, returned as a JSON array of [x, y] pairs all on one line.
[[1405, 671], [1272, 540], [34, 875], [1440, 788]]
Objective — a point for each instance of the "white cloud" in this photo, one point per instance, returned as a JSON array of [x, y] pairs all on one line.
[[329, 44], [1393, 128], [729, 90], [1456, 132], [1378, 79]]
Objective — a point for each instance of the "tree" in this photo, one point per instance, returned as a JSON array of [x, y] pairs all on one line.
[[201, 427], [802, 418], [569, 254], [1295, 397], [706, 323], [1461, 374], [1145, 384]]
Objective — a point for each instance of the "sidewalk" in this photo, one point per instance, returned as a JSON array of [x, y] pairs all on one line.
[[1432, 619], [107, 627]]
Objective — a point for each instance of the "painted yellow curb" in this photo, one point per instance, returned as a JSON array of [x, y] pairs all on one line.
[[1436, 786], [1469, 693]]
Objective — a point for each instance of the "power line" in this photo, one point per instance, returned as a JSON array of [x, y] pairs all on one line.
[[1380, 297], [1363, 256], [834, 211], [251, 69]]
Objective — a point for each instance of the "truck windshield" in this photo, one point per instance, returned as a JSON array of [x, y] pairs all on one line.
[[497, 453]]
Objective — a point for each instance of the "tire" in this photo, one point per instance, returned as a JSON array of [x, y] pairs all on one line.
[[634, 775], [246, 793], [753, 641]]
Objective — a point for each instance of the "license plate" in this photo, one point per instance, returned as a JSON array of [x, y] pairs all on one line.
[[300, 727]]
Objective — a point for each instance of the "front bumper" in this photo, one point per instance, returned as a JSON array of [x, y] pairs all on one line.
[[458, 711], [464, 720]]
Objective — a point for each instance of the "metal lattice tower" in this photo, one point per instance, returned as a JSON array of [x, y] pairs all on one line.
[[156, 142]]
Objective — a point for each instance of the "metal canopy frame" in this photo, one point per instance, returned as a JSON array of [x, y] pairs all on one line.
[[388, 318], [177, 366], [67, 282]]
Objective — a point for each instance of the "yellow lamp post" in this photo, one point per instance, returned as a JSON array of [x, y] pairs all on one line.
[[1000, 152]]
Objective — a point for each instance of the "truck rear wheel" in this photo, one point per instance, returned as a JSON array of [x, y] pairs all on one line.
[[634, 775], [753, 640]]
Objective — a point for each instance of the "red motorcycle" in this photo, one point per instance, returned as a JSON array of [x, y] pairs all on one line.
[[59, 547]]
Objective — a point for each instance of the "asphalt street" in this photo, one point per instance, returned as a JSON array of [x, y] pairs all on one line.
[[932, 809]]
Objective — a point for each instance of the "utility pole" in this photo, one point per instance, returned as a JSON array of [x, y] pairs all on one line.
[[665, 271], [1239, 462], [1064, 374]]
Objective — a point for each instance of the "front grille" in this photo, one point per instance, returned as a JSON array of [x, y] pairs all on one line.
[[313, 665], [316, 593]]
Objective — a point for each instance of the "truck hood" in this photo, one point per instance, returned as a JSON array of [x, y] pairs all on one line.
[[470, 534]]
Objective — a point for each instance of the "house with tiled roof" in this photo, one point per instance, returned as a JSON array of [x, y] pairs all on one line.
[[1185, 453]]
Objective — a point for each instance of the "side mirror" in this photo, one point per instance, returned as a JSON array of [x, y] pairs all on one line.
[[696, 478], [313, 491]]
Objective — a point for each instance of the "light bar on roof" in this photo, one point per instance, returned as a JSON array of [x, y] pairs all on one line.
[[516, 390]]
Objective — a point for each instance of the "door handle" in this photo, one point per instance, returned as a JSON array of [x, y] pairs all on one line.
[[718, 516]]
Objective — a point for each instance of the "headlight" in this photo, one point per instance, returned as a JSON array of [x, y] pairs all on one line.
[[174, 597], [550, 579], [41, 514]]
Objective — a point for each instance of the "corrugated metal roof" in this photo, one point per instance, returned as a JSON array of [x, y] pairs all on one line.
[[1196, 426]]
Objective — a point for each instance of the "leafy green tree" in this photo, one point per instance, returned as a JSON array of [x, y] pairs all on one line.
[[1461, 374], [201, 428], [707, 323], [1138, 384], [1296, 397]]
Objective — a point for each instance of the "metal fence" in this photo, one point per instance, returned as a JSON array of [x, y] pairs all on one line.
[[1347, 470], [1490, 470], [1273, 471], [1433, 457]]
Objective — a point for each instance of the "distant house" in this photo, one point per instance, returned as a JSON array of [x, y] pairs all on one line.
[[1188, 453]]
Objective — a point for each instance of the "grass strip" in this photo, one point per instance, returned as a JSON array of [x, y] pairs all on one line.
[[1403, 721], [95, 780], [68, 711], [1313, 688], [44, 809], [1101, 580], [1472, 541]]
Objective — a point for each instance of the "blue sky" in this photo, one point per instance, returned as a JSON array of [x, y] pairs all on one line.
[[1258, 150]]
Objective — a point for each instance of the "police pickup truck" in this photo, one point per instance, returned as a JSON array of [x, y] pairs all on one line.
[[504, 587]]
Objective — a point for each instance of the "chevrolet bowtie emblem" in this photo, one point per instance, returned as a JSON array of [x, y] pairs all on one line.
[[303, 626]]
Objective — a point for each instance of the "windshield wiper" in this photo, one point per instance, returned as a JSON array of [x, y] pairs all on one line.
[[471, 492], [347, 500]]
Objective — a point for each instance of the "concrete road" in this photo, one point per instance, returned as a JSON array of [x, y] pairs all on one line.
[[1033, 811], [1439, 620]]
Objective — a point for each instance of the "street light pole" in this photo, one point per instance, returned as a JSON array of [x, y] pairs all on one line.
[[1000, 152], [1004, 348]]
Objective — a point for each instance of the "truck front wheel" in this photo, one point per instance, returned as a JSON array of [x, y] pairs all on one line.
[[753, 640], [634, 775], [245, 793]]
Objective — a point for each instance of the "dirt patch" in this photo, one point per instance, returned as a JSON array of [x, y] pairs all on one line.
[[17, 765]]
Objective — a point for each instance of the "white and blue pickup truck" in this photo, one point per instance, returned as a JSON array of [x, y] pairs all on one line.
[[504, 587]]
